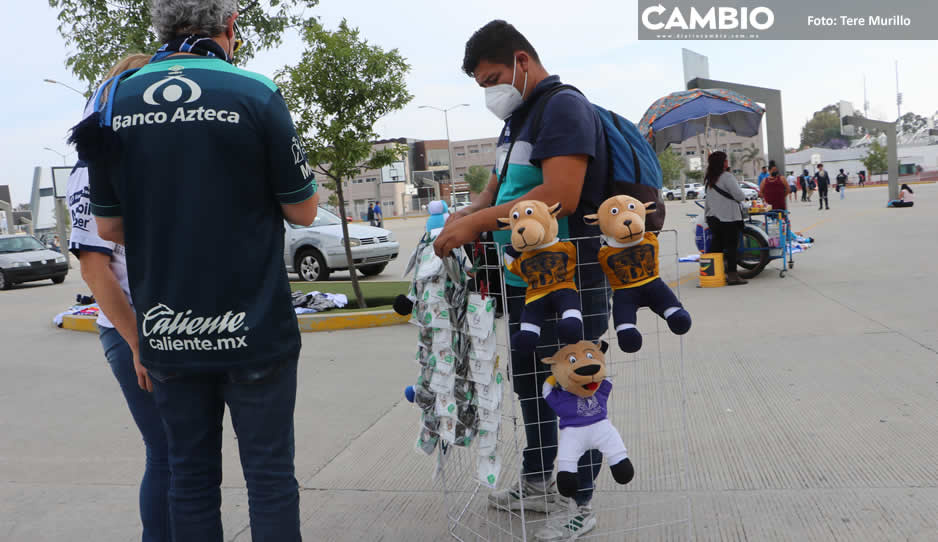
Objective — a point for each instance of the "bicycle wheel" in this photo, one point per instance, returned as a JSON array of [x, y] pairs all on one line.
[[753, 253]]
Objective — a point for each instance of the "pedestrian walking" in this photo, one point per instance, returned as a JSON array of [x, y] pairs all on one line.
[[823, 182], [379, 216], [371, 215], [841, 183], [792, 186], [231, 341]]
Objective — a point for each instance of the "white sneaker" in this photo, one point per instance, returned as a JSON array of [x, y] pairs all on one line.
[[569, 526], [537, 498]]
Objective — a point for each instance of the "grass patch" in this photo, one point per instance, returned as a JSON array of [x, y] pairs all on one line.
[[378, 295]]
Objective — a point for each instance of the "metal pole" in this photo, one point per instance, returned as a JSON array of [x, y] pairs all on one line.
[[452, 170], [34, 199], [892, 143]]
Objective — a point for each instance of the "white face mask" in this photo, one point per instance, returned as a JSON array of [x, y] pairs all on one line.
[[502, 100]]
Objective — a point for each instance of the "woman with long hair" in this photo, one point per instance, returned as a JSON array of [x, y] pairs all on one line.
[[104, 269], [723, 212], [905, 197]]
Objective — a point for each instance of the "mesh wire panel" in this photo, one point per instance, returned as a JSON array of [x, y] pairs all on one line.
[[646, 387]]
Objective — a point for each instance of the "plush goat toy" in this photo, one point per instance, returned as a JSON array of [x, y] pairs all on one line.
[[548, 266], [577, 390], [630, 261]]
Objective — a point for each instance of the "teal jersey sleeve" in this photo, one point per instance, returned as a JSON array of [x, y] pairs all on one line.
[[288, 172]]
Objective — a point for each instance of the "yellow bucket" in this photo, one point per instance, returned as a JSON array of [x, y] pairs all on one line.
[[711, 270]]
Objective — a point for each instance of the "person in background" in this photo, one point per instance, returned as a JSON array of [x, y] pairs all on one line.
[[379, 216], [861, 178], [774, 190], [805, 185], [841, 183], [104, 269], [723, 212], [371, 214], [763, 175], [905, 198], [823, 183], [792, 186]]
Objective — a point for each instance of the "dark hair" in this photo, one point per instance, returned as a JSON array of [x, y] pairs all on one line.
[[820, 165], [495, 42], [714, 168], [907, 188], [764, 167]]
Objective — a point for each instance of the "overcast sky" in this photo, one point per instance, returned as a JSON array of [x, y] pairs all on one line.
[[593, 46]]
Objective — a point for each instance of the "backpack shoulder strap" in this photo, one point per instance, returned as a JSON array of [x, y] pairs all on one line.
[[538, 111]]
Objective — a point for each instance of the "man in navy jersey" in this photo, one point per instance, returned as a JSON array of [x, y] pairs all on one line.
[[203, 146]]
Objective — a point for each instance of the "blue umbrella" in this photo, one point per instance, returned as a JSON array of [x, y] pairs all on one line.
[[682, 115]]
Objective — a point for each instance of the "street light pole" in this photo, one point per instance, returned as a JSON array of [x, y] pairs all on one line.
[[54, 82], [64, 159], [449, 149]]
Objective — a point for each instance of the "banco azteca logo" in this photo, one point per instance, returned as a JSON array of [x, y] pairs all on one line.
[[172, 88]]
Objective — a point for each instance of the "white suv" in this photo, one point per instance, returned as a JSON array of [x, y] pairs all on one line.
[[691, 190]]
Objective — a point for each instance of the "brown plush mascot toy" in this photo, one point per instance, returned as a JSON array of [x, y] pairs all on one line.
[[548, 266], [578, 390], [630, 262]]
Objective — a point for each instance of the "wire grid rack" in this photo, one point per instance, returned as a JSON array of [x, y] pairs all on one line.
[[655, 505]]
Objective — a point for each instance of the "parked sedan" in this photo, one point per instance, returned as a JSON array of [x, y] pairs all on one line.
[[316, 251], [24, 259], [751, 190]]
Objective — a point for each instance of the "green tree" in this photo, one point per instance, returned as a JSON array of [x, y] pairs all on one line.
[[671, 166], [753, 155], [876, 160], [478, 177], [823, 127], [337, 92], [694, 175], [98, 33], [911, 123]]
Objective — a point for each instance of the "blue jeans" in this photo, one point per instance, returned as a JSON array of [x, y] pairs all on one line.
[[154, 489], [529, 374], [262, 404]]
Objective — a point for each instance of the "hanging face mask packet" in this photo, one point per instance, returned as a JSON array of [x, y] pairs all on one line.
[[489, 420], [464, 435], [441, 383], [480, 315], [490, 466], [488, 441], [438, 317], [441, 361], [481, 371], [424, 398], [490, 396], [484, 348], [448, 430], [445, 405], [426, 441], [429, 265], [434, 291]]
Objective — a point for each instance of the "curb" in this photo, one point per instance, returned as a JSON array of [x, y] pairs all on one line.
[[308, 322]]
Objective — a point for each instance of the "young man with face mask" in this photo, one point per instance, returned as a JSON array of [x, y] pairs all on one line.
[[565, 162]]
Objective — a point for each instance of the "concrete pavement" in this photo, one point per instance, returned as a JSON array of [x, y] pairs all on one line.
[[810, 409]]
